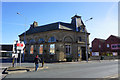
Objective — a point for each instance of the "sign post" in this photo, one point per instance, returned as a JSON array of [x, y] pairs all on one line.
[[16, 56], [19, 46]]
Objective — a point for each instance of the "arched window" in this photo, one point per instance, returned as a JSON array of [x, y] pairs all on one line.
[[32, 41], [41, 40], [52, 49], [52, 39], [31, 49], [68, 39], [41, 49]]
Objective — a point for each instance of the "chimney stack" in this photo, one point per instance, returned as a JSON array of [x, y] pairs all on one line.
[[35, 24]]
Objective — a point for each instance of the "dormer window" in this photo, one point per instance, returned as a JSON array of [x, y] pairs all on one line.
[[79, 28], [83, 30], [80, 39]]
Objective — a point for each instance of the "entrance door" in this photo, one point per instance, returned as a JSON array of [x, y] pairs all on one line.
[[68, 49], [83, 53]]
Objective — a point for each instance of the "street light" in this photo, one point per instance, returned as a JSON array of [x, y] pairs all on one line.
[[86, 39], [24, 33]]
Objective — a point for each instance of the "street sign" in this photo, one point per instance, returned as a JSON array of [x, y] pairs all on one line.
[[20, 45], [16, 55]]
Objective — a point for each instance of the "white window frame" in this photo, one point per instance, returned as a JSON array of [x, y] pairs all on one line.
[[108, 45], [52, 48], [69, 49]]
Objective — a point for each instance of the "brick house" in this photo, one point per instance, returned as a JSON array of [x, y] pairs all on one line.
[[98, 45], [112, 44], [109, 46]]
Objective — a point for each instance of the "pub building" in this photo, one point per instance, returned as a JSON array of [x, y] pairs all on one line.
[[57, 41]]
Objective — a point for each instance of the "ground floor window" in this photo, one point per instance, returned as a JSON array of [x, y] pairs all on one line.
[[68, 49], [31, 49], [41, 49], [52, 48]]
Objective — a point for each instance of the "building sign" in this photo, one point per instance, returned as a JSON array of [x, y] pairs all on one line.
[[31, 49], [115, 53], [41, 49], [95, 53]]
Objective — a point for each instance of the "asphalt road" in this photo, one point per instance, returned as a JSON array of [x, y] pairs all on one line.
[[73, 70]]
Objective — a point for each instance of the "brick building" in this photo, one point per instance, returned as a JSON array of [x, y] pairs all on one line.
[[112, 44], [98, 45], [56, 41], [109, 46]]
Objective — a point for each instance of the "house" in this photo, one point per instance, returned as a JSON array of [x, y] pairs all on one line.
[[108, 47]]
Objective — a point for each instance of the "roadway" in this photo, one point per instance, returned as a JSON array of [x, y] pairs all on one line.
[[93, 69]]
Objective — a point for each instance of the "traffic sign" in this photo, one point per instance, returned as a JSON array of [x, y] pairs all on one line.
[[16, 55], [20, 45]]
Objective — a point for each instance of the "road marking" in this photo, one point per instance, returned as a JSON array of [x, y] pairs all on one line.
[[46, 67], [112, 76]]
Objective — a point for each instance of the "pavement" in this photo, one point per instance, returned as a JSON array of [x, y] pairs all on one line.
[[12, 70], [24, 68]]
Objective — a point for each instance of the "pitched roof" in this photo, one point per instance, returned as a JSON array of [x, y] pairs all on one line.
[[101, 40], [50, 27], [117, 37]]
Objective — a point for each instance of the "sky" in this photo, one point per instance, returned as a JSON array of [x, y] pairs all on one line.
[[103, 24]]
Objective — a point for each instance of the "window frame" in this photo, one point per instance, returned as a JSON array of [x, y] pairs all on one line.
[[40, 48]]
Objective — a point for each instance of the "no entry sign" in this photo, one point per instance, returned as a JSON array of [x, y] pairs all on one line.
[[20, 45]]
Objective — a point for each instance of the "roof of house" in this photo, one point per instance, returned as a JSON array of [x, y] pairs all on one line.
[[113, 36], [101, 40], [50, 27]]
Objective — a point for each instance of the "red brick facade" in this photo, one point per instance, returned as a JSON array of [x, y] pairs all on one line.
[[114, 44], [98, 45], [111, 44]]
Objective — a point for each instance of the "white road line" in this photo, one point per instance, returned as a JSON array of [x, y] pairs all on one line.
[[112, 76]]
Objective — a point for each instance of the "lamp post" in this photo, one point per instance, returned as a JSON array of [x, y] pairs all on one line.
[[25, 31], [86, 40]]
